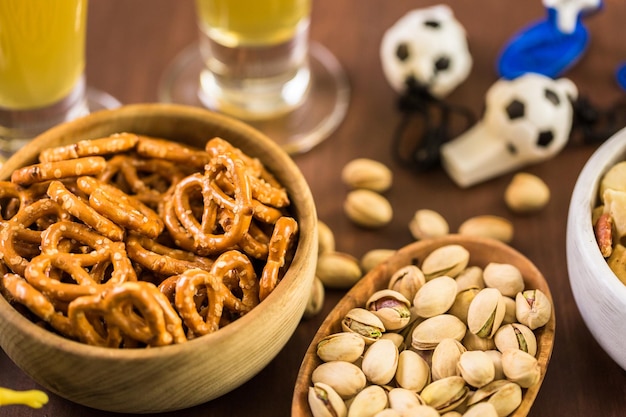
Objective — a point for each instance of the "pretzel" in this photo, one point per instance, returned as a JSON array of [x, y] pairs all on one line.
[[283, 236], [176, 152], [83, 211], [116, 143], [90, 165], [17, 231], [220, 296], [135, 309], [12, 198], [121, 208], [22, 292], [146, 179], [161, 259], [205, 240]]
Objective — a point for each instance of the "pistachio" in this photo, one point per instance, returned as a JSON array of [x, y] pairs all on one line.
[[494, 227], [447, 260], [516, 336], [533, 308], [481, 410], [509, 311], [364, 323], [396, 338], [413, 372], [496, 358], [368, 402], [504, 395], [433, 330], [345, 378], [325, 402], [505, 277], [462, 302], [374, 257], [367, 173], [476, 368], [325, 238], [367, 208], [486, 312], [526, 193], [404, 400], [338, 270], [435, 297], [445, 394], [344, 346], [380, 361], [407, 281], [473, 342], [391, 307], [470, 277], [521, 367], [428, 224], [315, 303], [445, 358]]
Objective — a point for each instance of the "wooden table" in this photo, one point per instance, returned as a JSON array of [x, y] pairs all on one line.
[[129, 46]]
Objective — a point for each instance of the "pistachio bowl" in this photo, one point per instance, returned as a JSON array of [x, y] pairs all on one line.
[[482, 251], [172, 377], [600, 296]]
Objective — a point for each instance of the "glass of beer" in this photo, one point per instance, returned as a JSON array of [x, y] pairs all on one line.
[[42, 62], [254, 61]]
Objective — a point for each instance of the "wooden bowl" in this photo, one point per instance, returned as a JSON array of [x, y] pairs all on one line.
[[172, 377], [482, 251], [600, 296]]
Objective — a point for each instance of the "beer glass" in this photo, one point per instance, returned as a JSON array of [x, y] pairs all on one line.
[[42, 61], [254, 61]]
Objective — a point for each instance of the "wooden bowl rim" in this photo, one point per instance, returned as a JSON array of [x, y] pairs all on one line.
[[356, 297], [307, 242]]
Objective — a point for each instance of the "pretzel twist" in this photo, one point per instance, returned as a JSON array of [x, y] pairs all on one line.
[[116, 143], [45, 171]]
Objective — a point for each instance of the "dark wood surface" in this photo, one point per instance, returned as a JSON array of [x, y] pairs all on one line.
[[129, 46]]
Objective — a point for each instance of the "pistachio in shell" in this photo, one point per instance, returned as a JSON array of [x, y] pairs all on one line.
[[476, 368], [521, 367], [368, 402], [516, 336], [504, 395], [470, 277], [447, 260], [364, 323], [345, 378], [338, 270], [445, 394], [407, 281], [486, 312], [496, 358], [481, 410], [445, 358], [435, 297], [413, 372], [505, 277], [403, 400], [473, 342], [325, 402], [325, 238], [343, 346], [391, 307], [380, 362], [373, 257], [533, 308], [462, 301], [433, 330], [509, 310], [315, 303]]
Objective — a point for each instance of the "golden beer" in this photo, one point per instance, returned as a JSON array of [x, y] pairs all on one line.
[[42, 44], [234, 23], [255, 55]]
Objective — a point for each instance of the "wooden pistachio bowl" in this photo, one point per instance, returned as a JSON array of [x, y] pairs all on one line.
[[482, 251], [158, 379]]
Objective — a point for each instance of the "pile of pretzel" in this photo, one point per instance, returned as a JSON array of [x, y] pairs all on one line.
[[132, 241]]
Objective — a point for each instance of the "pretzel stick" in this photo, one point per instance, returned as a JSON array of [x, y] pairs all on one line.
[[285, 231], [90, 165], [116, 143]]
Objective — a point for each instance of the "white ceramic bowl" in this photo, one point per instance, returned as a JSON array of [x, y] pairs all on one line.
[[599, 294]]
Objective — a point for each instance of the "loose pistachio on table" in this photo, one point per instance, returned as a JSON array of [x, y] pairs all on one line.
[[444, 365], [427, 223], [368, 174], [490, 226], [338, 270], [367, 208]]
